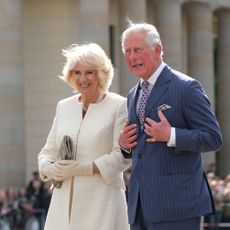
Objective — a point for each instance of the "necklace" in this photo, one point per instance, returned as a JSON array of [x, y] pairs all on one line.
[[86, 106]]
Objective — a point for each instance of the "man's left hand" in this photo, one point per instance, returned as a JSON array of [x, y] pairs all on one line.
[[158, 131]]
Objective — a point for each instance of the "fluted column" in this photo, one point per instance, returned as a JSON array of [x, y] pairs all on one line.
[[168, 23], [93, 22], [136, 11], [223, 81], [48, 26], [11, 95], [200, 52], [200, 46]]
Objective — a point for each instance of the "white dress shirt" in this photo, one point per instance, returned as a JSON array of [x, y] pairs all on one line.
[[152, 80]]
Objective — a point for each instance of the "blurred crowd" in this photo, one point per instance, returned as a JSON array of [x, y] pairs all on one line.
[[25, 207], [220, 187]]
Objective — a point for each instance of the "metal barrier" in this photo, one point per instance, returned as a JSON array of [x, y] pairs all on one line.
[[218, 225]]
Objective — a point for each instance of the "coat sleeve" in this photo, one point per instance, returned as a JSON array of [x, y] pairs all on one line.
[[111, 165], [49, 152], [202, 133]]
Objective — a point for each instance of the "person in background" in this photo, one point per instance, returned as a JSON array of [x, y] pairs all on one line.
[[92, 194], [212, 168], [35, 195], [217, 188], [170, 123], [47, 196], [30, 188]]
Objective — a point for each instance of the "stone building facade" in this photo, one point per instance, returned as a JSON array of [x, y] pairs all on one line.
[[196, 40]]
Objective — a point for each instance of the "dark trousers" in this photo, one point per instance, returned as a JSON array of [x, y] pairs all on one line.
[[141, 224]]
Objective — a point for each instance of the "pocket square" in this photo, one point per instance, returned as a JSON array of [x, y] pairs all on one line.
[[163, 107]]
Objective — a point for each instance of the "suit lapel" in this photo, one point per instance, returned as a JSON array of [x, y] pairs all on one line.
[[159, 88], [133, 102]]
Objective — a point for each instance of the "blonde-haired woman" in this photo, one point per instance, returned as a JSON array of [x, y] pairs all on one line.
[[91, 195]]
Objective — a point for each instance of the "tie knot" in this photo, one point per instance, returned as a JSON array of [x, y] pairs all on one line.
[[145, 84]]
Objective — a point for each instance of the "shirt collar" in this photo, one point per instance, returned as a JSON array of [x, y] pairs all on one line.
[[153, 78]]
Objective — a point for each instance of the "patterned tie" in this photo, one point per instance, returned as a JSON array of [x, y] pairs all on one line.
[[142, 103]]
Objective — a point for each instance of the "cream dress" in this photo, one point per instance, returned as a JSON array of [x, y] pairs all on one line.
[[93, 202]]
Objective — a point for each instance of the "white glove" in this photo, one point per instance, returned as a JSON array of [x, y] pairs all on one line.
[[50, 171], [70, 168]]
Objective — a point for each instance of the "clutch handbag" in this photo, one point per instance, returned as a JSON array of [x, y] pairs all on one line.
[[66, 152]]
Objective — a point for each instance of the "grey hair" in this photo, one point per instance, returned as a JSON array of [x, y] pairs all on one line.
[[152, 35], [92, 55]]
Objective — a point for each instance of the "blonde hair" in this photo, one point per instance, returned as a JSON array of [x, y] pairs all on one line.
[[92, 55]]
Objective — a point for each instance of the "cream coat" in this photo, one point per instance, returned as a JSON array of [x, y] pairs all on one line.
[[97, 202]]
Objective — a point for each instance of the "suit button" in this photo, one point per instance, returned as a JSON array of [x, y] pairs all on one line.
[[139, 156]]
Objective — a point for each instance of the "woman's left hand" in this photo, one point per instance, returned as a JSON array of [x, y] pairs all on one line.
[[70, 168]]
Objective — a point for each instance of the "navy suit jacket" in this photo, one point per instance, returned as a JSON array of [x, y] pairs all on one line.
[[170, 181]]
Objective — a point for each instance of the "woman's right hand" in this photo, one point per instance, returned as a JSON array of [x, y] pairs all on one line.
[[50, 171]]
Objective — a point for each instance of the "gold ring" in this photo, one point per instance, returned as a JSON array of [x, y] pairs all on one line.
[[152, 139]]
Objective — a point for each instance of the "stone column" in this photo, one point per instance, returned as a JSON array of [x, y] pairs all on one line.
[[93, 22], [200, 45], [168, 23], [11, 95], [48, 28], [136, 11], [12, 163], [200, 52], [223, 81]]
